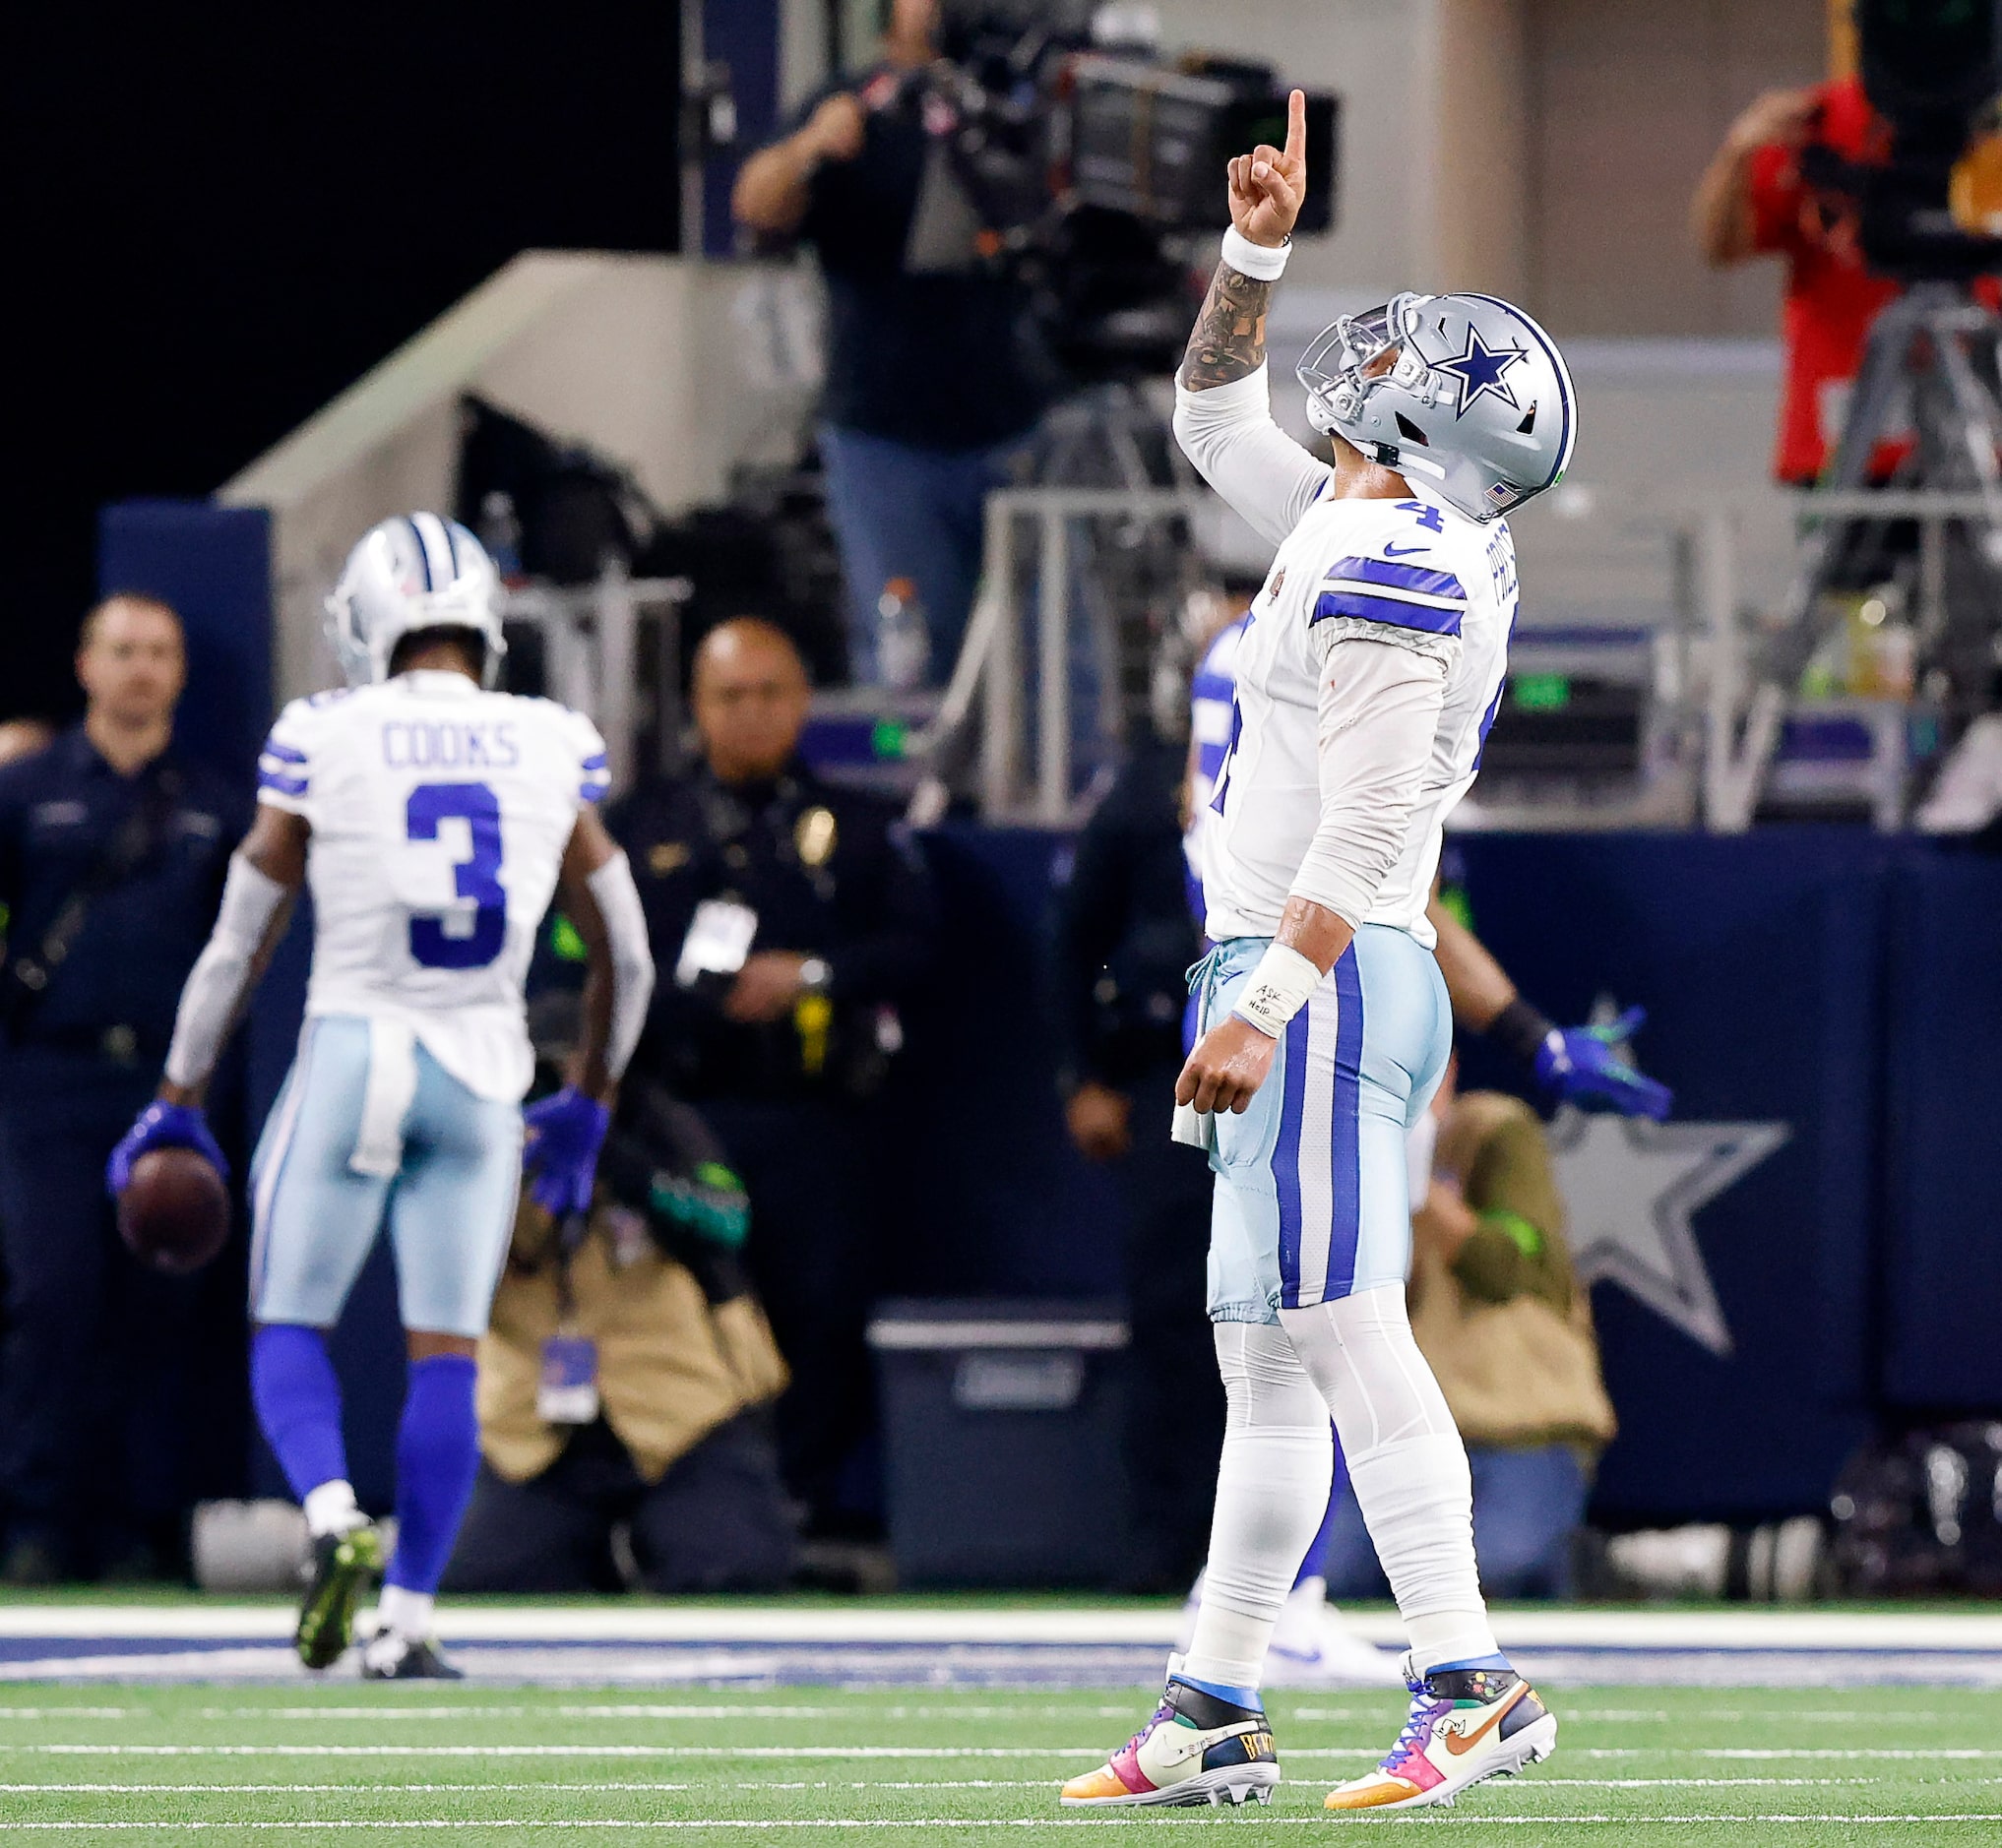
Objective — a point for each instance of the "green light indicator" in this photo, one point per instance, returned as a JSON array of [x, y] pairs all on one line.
[[1543, 693], [887, 738]]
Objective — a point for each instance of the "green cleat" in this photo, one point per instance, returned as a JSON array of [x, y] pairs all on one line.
[[340, 1563]]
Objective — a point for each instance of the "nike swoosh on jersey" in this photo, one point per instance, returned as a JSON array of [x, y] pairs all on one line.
[[1402, 551], [1460, 1744]]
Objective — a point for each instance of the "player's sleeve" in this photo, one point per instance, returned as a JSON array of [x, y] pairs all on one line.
[[1375, 590], [585, 745], [1379, 712], [290, 755], [1227, 432]]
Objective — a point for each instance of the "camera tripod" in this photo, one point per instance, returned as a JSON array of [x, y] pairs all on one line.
[[1931, 355]]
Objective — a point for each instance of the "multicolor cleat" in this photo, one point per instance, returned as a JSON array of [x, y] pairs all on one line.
[[1466, 1725], [1197, 1749], [342, 1563]]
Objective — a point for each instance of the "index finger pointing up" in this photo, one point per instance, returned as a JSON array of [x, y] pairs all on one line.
[[1296, 126]]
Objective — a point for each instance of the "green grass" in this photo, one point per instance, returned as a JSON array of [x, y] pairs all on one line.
[[901, 1766]]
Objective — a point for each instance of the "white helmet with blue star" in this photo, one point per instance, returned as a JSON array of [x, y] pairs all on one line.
[[1463, 392], [414, 572]]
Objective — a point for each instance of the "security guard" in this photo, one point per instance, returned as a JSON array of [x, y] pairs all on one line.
[[788, 920], [112, 855], [1125, 938]]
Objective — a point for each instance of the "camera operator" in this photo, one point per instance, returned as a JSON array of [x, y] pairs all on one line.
[[1753, 201], [933, 378], [1758, 197]]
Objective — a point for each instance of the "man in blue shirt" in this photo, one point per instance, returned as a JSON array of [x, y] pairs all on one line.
[[112, 854]]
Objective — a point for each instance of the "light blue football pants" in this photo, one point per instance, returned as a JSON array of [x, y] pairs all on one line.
[[1313, 1197], [370, 1129]]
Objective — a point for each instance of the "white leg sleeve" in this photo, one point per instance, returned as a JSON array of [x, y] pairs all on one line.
[[1406, 1462], [1272, 1491]]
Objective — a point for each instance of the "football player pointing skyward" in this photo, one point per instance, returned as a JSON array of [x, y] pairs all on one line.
[[434, 821], [1367, 676]]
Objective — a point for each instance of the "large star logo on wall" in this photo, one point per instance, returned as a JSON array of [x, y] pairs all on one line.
[[1482, 368], [1630, 1189]]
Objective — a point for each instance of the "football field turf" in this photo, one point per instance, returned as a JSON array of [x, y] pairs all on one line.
[[333, 1762]]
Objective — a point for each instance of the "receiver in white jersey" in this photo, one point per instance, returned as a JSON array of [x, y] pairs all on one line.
[[440, 814], [1415, 574]]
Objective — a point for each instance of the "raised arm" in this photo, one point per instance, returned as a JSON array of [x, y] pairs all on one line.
[[776, 184], [1721, 211], [1222, 413]]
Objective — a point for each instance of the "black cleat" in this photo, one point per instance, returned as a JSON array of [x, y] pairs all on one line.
[[388, 1656], [341, 1563]]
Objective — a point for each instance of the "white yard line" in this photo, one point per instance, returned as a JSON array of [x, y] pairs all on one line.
[[954, 1825], [782, 1752], [69, 1713], [1970, 1632], [503, 1787], [627, 1710]]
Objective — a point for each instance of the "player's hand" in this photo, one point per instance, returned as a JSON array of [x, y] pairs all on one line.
[[834, 130], [565, 1131], [1588, 1065], [1780, 116], [163, 1125], [1269, 185], [1227, 1068], [766, 987], [1099, 1120]]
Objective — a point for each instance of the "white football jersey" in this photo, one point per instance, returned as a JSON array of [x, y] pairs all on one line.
[[440, 816], [1414, 573]]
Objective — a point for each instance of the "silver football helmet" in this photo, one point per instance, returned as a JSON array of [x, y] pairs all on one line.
[[414, 572], [1463, 391]]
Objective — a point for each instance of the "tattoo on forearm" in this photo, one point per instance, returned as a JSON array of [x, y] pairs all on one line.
[[1227, 341]]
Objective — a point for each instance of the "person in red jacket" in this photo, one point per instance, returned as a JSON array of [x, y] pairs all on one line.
[[1754, 199]]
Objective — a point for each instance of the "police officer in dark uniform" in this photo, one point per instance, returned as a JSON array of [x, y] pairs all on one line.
[[789, 919], [1126, 936], [112, 854]]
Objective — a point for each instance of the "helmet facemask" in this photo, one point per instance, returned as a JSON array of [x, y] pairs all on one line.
[[1344, 365]]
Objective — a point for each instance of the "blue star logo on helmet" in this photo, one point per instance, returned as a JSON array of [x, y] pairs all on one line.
[[1482, 368]]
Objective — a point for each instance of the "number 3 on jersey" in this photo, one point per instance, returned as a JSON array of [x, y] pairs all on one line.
[[477, 877]]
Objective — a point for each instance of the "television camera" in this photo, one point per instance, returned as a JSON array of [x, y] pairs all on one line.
[[1091, 166]]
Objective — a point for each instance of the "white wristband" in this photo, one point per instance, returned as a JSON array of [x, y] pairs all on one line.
[[1261, 262], [1279, 987]]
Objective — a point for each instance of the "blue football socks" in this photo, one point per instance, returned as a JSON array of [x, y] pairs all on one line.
[[437, 1457], [298, 1404], [1237, 1696]]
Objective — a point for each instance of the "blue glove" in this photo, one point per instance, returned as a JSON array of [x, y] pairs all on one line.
[[1587, 1065], [163, 1126], [565, 1132]]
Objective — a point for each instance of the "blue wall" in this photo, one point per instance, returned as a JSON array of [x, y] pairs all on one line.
[[1843, 985]]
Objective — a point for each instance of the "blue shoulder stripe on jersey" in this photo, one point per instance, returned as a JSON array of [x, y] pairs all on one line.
[[1321, 490], [1385, 609], [285, 752], [1211, 684], [596, 763], [593, 793], [1380, 571], [285, 785]]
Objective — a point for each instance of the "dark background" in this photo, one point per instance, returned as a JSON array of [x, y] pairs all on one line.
[[220, 219]]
